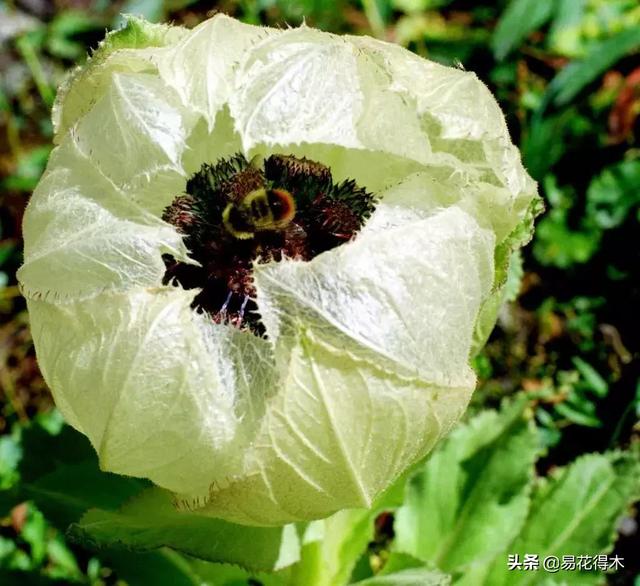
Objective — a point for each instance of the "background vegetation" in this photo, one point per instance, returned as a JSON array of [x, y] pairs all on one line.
[[567, 75]]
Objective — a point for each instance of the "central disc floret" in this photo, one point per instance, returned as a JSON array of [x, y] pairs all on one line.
[[236, 212]]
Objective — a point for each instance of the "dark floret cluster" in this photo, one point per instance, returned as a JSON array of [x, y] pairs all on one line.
[[327, 214]]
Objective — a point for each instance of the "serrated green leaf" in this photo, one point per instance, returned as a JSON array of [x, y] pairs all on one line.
[[472, 496], [574, 512], [150, 521], [575, 76], [519, 19]]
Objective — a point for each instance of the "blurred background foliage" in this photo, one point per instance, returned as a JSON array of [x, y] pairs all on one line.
[[566, 73]]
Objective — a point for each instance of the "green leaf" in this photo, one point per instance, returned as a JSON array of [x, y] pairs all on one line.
[[159, 568], [612, 194], [594, 381], [559, 245], [564, 34], [65, 494], [150, 521], [398, 561], [544, 144], [62, 562], [520, 18], [472, 496], [579, 412], [34, 532], [58, 471], [377, 13], [411, 577], [574, 512], [600, 56], [48, 445], [211, 574], [331, 547], [66, 30], [10, 455]]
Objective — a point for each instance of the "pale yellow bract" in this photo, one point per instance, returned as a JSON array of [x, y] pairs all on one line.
[[367, 361]]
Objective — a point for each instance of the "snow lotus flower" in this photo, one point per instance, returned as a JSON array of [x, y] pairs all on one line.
[[265, 366]]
